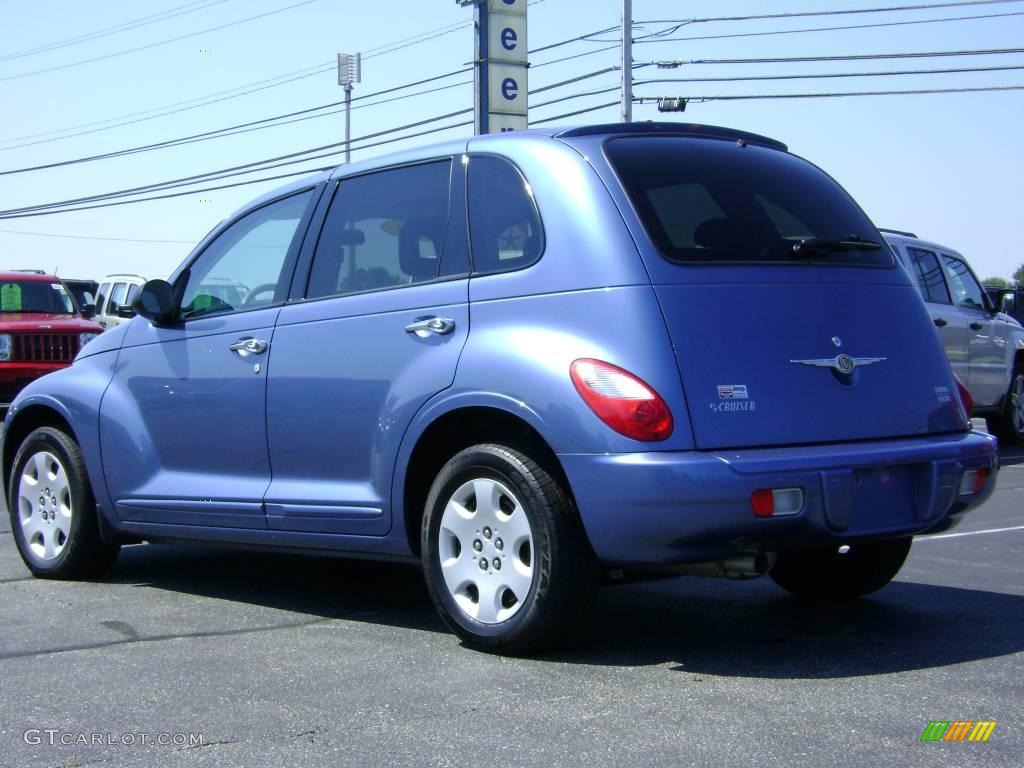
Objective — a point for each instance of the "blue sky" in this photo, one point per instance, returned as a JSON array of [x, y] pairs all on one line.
[[948, 166]]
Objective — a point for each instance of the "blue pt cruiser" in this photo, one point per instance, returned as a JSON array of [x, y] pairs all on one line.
[[525, 361]]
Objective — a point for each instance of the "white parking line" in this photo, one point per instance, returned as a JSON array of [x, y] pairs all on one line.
[[968, 533]]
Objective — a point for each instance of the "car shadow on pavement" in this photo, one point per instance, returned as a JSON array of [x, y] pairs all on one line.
[[757, 630], [699, 626]]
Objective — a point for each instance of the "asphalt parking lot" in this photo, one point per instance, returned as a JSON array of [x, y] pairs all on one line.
[[280, 660]]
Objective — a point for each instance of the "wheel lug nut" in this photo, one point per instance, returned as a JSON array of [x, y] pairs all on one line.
[[497, 564], [499, 544], [478, 545], [483, 563], [487, 533]]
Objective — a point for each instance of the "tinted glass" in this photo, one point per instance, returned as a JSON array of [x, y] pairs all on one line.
[[101, 297], [249, 255], [924, 266], [705, 200], [383, 230], [964, 288], [35, 296], [504, 226]]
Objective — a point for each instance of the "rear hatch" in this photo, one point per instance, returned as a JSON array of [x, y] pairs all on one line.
[[790, 321]]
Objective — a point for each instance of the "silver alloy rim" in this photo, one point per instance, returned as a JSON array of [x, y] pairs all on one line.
[[44, 505], [486, 550], [1017, 404]]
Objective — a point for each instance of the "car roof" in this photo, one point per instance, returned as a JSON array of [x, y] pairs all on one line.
[[29, 276], [894, 236], [454, 147]]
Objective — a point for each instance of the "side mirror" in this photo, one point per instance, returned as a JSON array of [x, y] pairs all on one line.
[[89, 311], [155, 302], [126, 311]]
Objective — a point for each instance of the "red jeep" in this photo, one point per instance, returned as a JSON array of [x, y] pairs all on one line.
[[41, 330]]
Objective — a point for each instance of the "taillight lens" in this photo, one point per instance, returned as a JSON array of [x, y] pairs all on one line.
[[621, 400], [965, 399]]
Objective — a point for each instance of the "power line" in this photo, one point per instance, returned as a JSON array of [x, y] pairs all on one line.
[[855, 57], [842, 12], [171, 13], [831, 29], [574, 114], [915, 92], [244, 168], [33, 213], [219, 132], [156, 44], [93, 237], [828, 75]]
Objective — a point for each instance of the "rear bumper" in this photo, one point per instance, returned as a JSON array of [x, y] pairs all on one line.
[[662, 508]]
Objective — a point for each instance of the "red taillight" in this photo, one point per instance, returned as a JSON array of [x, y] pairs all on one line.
[[621, 400], [965, 399], [763, 502]]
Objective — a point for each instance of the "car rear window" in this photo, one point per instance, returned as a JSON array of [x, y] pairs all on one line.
[[709, 200]]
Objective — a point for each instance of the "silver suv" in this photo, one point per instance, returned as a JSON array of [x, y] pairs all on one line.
[[984, 346]]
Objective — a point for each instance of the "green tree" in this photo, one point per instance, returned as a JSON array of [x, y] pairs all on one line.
[[996, 282], [1019, 275]]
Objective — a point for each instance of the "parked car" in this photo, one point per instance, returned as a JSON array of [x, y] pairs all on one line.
[[114, 299], [985, 346], [84, 292], [41, 329], [521, 360]]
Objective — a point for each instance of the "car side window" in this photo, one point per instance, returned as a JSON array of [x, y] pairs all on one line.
[[250, 254], [504, 225], [962, 285], [383, 229], [118, 295], [101, 298], [924, 266]]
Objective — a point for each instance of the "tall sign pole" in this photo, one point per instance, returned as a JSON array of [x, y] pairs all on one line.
[[501, 67], [627, 61]]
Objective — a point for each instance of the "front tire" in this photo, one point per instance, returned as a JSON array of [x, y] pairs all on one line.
[[825, 574], [1008, 426], [506, 562], [53, 513]]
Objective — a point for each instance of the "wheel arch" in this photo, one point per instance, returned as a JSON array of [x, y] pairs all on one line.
[[450, 427], [28, 418]]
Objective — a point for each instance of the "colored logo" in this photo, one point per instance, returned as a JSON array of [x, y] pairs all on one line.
[[958, 730]]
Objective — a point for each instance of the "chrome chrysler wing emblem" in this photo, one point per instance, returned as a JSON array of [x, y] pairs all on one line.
[[843, 364]]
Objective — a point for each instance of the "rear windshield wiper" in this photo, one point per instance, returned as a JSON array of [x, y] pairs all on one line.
[[833, 244]]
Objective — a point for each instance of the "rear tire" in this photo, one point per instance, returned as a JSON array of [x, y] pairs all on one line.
[[824, 574], [53, 513], [1008, 426], [505, 557]]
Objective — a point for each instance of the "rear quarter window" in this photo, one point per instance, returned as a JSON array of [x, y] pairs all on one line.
[[713, 201]]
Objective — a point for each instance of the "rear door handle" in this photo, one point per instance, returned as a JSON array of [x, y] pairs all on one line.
[[976, 326], [424, 326], [249, 346], [941, 323]]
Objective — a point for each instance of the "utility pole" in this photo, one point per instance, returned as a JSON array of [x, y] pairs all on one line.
[[627, 61], [350, 72]]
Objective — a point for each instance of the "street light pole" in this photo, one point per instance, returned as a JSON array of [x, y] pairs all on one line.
[[350, 72]]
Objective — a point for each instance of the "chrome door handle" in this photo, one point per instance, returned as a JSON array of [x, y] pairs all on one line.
[[424, 326], [249, 346]]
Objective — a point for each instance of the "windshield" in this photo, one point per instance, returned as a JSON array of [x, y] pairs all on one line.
[[35, 296], [706, 200]]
